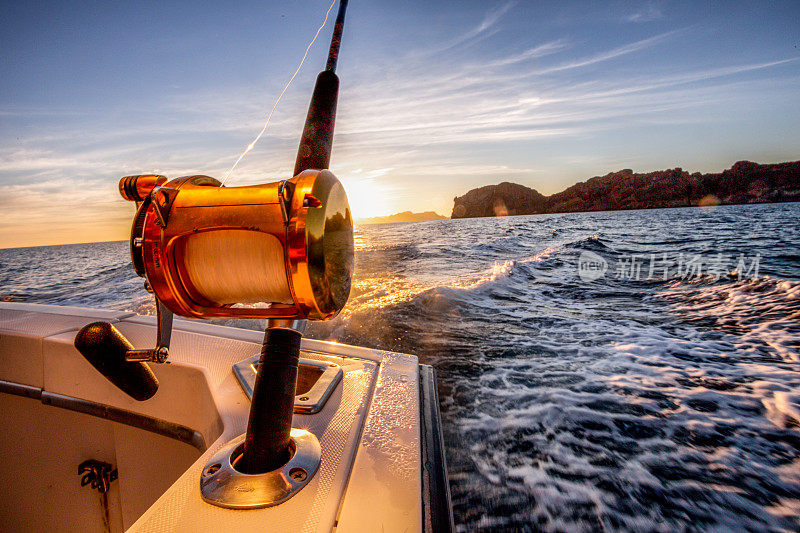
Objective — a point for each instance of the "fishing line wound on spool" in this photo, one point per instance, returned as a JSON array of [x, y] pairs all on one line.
[[236, 266]]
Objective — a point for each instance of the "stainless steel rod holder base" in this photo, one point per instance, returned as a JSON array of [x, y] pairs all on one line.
[[224, 486]]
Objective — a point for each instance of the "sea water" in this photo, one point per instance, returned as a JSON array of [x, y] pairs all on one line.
[[634, 370]]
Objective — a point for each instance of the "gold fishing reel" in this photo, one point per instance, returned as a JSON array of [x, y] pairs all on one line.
[[281, 250]]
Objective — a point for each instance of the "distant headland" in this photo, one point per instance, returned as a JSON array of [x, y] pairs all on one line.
[[405, 216], [744, 183]]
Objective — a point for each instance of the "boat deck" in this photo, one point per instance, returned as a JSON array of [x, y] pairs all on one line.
[[371, 430]]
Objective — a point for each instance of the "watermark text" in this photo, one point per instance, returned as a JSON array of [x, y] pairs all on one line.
[[666, 266]]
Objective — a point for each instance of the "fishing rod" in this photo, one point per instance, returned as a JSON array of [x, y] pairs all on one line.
[[281, 251], [317, 140]]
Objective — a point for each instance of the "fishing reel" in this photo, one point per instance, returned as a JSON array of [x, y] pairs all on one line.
[[281, 250]]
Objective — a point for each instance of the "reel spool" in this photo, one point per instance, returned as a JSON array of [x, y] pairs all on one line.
[[281, 250]]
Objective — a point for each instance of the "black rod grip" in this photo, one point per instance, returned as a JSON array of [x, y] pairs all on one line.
[[105, 347], [267, 443], [317, 140]]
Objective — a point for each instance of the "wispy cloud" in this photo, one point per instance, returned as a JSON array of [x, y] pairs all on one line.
[[648, 12], [486, 27], [536, 52], [386, 119], [613, 53]]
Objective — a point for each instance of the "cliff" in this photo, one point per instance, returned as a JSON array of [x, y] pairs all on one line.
[[745, 182], [499, 200], [405, 216]]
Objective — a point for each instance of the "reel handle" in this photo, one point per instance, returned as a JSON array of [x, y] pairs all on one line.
[[106, 348]]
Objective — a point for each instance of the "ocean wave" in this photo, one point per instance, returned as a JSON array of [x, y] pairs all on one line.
[[13, 297], [592, 243], [502, 270], [764, 313]]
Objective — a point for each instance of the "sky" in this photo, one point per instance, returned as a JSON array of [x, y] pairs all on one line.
[[436, 98]]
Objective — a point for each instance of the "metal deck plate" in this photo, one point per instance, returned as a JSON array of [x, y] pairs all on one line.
[[309, 402]]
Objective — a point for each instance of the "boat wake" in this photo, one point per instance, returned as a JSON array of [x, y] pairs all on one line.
[[764, 313], [649, 405]]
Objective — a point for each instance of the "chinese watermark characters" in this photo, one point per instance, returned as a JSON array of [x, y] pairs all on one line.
[[665, 266]]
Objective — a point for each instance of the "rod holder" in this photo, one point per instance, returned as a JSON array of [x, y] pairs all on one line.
[[224, 485], [271, 462], [267, 444]]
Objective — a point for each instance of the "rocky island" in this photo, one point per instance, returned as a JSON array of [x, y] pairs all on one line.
[[744, 183], [405, 216]]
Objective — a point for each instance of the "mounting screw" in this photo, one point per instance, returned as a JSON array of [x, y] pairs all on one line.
[[161, 354], [298, 474], [212, 469], [303, 398]]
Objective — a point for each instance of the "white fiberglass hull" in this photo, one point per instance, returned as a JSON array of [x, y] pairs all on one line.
[[377, 432]]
